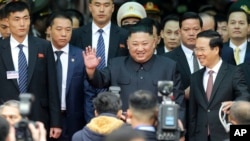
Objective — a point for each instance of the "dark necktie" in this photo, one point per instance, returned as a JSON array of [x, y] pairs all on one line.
[[59, 71], [100, 52], [22, 70], [195, 63], [209, 84]]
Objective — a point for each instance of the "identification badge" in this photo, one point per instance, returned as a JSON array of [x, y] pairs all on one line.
[[12, 74]]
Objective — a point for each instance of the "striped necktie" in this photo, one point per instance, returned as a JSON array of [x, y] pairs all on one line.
[[22, 70], [100, 52]]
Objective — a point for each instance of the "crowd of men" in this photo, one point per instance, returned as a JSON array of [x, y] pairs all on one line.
[[71, 70]]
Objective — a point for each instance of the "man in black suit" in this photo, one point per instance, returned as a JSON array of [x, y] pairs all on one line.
[[140, 70], [88, 35], [217, 82], [27, 66], [238, 25]]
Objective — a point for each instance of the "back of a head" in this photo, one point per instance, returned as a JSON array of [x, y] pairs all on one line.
[[144, 103], [4, 128], [107, 102], [16, 6], [125, 133], [240, 112], [73, 13], [190, 15]]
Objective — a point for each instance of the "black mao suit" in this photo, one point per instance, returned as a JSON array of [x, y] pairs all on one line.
[[131, 76]]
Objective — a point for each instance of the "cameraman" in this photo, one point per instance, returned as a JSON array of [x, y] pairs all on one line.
[[7, 131], [10, 111]]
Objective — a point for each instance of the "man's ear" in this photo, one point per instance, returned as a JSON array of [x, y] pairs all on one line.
[[96, 113]]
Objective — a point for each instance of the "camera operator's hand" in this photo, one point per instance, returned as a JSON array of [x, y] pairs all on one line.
[[38, 132], [55, 132], [182, 129]]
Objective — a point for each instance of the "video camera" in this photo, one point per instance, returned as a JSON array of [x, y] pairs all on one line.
[[167, 128], [22, 130]]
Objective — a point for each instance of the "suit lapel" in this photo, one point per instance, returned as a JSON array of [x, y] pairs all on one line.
[[113, 41], [218, 79], [247, 56], [33, 49], [183, 60], [71, 65], [7, 59], [200, 85]]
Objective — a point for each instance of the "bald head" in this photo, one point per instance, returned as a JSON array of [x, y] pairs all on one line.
[[208, 21], [240, 112]]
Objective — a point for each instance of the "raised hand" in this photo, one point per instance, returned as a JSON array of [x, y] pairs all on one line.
[[91, 61]]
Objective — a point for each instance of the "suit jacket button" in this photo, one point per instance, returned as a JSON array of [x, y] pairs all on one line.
[[141, 77], [208, 110]]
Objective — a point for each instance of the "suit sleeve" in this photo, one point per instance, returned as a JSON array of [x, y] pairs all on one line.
[[179, 94], [240, 86], [54, 102]]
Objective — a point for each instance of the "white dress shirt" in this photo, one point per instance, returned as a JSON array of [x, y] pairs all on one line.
[[105, 35], [64, 59]]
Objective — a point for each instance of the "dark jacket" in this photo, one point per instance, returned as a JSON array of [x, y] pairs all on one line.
[[97, 128]]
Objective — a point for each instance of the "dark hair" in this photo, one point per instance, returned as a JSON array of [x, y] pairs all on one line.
[[220, 18], [124, 133], [140, 28], [190, 15], [16, 6], [2, 14], [171, 17], [142, 100], [58, 14], [91, 1], [151, 22], [4, 128], [215, 39], [73, 13], [107, 102], [237, 10]]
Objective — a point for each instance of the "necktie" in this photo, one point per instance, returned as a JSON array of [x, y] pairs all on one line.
[[209, 84], [101, 50], [237, 55], [59, 71], [195, 63], [22, 70]]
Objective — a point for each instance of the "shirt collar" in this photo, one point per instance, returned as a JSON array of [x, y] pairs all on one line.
[[105, 29], [188, 52], [215, 68], [146, 66], [15, 43], [242, 47], [64, 49]]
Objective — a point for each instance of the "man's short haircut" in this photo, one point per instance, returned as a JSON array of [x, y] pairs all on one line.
[[2, 14], [125, 133], [206, 15], [215, 39], [140, 28], [12, 103], [58, 14], [107, 102], [240, 112], [220, 18], [142, 100], [171, 17], [238, 10], [16, 6], [4, 128], [151, 22], [190, 15], [91, 1]]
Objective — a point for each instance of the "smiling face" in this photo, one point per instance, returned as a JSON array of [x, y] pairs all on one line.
[[60, 32], [141, 46], [188, 31], [207, 56], [101, 11], [237, 25]]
